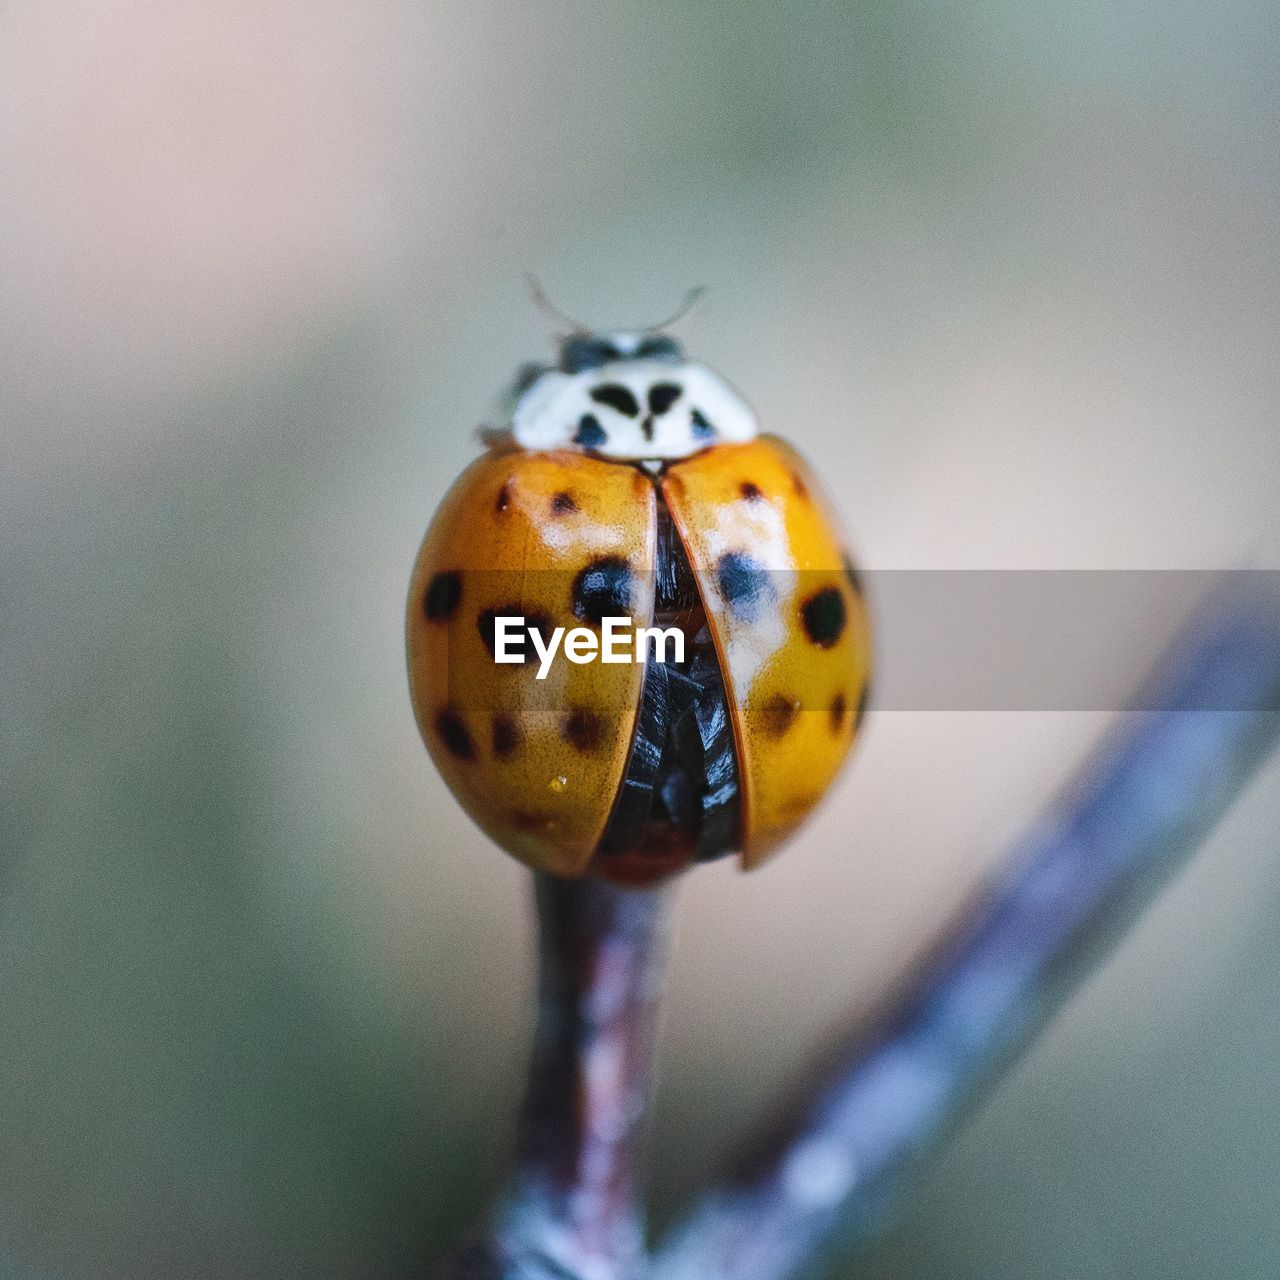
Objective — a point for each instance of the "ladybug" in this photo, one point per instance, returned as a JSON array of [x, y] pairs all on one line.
[[633, 485]]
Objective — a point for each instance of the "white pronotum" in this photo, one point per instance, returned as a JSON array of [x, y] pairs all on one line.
[[632, 397]]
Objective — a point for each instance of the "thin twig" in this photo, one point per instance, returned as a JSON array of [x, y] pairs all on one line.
[[1154, 788], [573, 1211]]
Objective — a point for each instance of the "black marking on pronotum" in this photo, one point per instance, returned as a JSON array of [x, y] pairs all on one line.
[[443, 595], [744, 584], [563, 504], [702, 429], [603, 590], [662, 395], [589, 432], [751, 492], [506, 736], [503, 500], [778, 714], [453, 733], [582, 729], [823, 616], [487, 626], [854, 577], [618, 397]]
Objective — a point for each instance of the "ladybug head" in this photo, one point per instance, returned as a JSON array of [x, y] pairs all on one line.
[[630, 396], [582, 351]]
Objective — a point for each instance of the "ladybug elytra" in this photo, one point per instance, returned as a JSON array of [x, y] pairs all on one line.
[[633, 484]]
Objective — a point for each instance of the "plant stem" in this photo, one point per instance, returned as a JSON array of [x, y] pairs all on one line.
[[1153, 790], [573, 1211]]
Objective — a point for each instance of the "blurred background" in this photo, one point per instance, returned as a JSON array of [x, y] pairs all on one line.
[[1007, 272]]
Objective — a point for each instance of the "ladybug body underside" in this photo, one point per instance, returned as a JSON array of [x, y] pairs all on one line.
[[680, 799]]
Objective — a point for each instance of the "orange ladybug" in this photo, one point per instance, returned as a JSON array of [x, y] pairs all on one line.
[[633, 497]]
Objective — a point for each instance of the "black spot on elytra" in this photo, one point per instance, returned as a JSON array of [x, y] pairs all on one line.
[[506, 736], [860, 712], [582, 729], [487, 625], [751, 492], [503, 500], [744, 584], [563, 504], [837, 710], [531, 822], [702, 429], [603, 590], [618, 397], [453, 734], [823, 615], [662, 395], [798, 484], [778, 714], [589, 432], [854, 577], [444, 592]]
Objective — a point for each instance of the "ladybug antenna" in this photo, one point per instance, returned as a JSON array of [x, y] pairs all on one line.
[[694, 296], [549, 308]]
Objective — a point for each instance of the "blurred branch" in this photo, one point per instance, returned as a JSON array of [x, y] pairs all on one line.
[[572, 1211], [841, 1158], [843, 1154]]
